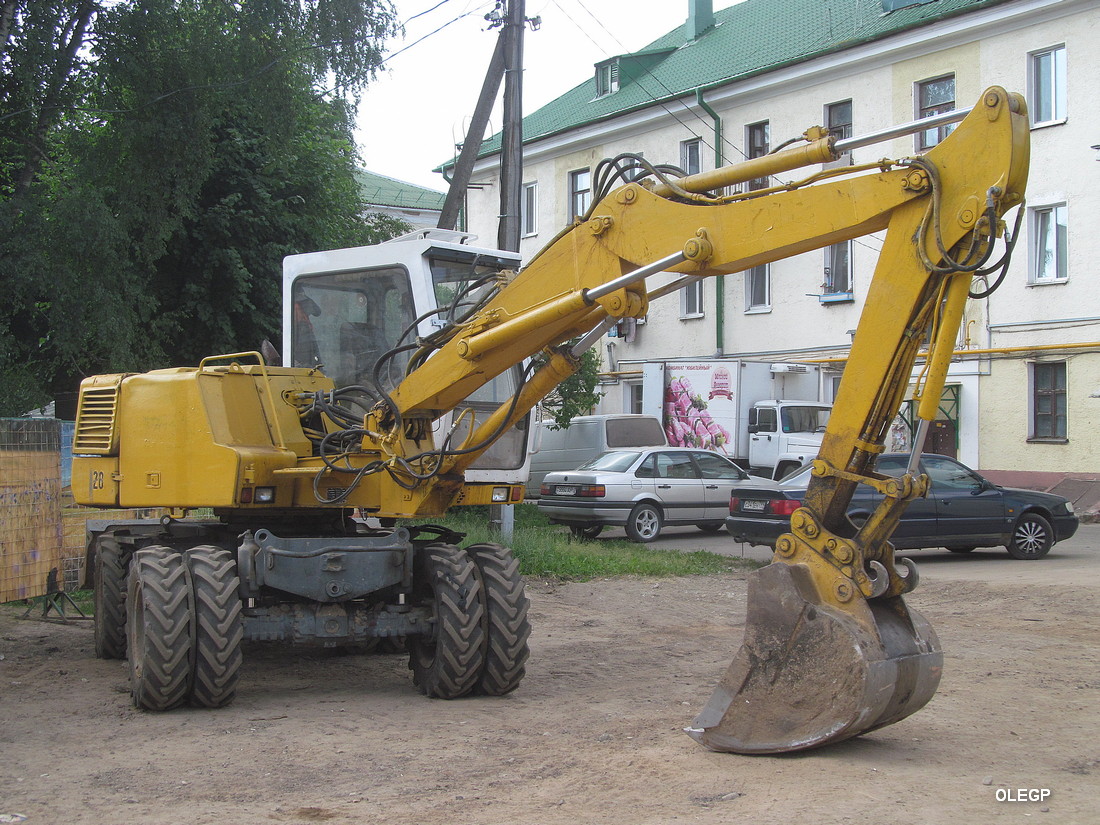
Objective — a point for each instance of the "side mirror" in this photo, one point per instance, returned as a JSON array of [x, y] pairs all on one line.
[[754, 429]]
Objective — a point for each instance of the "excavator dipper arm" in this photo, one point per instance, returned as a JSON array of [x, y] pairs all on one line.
[[830, 648]]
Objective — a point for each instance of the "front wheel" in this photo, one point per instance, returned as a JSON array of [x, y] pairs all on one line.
[[506, 627], [1032, 537], [644, 523], [448, 662]]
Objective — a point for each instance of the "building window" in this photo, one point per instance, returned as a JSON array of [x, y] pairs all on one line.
[[1049, 258], [838, 273], [1048, 86], [1048, 400], [634, 397], [838, 119], [691, 300], [630, 169], [935, 97], [607, 78], [529, 209], [691, 156], [758, 288], [757, 145], [580, 192]]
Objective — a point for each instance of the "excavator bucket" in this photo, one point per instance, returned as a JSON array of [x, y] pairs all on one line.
[[814, 670]]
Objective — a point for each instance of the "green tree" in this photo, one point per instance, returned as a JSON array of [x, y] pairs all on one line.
[[156, 173], [576, 395]]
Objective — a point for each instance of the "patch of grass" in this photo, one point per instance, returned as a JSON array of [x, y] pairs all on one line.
[[549, 551]]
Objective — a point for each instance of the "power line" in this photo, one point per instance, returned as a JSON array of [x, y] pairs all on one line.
[[436, 31]]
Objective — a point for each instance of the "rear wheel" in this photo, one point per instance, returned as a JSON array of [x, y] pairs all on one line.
[[218, 628], [644, 522], [112, 563], [506, 627], [585, 531], [448, 662], [1032, 537], [159, 617]]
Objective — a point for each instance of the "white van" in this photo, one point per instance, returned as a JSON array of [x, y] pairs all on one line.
[[586, 437]]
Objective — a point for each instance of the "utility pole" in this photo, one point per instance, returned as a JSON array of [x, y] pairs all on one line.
[[511, 152], [464, 166]]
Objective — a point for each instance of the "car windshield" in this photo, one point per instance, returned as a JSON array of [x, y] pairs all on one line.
[[616, 461]]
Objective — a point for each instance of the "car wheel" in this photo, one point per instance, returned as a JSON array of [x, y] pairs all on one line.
[[644, 523], [585, 531], [711, 526], [1032, 537]]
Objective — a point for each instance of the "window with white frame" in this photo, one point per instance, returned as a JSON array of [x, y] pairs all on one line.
[[580, 192], [607, 78], [838, 270], [634, 397], [757, 144], [934, 97], [1049, 253], [691, 156], [691, 300], [1048, 401], [529, 209], [758, 288], [1047, 81]]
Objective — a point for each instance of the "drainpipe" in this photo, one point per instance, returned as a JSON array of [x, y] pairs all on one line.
[[720, 280]]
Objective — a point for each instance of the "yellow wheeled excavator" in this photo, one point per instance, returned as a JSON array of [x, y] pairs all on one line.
[[284, 459]]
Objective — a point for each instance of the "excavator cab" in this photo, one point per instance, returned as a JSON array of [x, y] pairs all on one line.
[[357, 314]]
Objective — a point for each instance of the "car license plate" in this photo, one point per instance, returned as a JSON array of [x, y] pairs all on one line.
[[752, 504], [565, 491]]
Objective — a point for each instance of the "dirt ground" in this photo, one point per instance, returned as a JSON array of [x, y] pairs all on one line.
[[594, 733]]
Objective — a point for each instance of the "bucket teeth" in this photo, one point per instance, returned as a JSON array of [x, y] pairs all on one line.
[[809, 673]]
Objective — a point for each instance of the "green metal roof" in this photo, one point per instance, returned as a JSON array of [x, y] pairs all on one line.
[[379, 190], [750, 38]]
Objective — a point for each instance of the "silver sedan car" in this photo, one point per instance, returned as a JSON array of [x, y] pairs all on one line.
[[642, 489]]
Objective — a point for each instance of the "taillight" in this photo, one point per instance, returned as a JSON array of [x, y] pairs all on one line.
[[783, 506], [591, 491]]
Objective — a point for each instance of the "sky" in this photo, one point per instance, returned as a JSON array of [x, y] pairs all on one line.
[[418, 108]]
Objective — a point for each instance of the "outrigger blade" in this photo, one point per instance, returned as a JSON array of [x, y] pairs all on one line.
[[812, 671]]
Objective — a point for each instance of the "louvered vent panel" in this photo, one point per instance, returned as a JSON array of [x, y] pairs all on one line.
[[95, 422]]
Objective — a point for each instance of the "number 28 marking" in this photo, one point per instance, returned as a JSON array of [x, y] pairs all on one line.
[[97, 480]]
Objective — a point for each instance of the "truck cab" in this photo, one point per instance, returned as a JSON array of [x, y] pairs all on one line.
[[784, 435]]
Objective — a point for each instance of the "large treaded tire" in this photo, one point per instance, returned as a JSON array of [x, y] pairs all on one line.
[[112, 564], [218, 628], [448, 663], [159, 622], [507, 629]]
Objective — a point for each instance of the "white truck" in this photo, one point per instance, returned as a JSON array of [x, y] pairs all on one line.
[[768, 417]]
